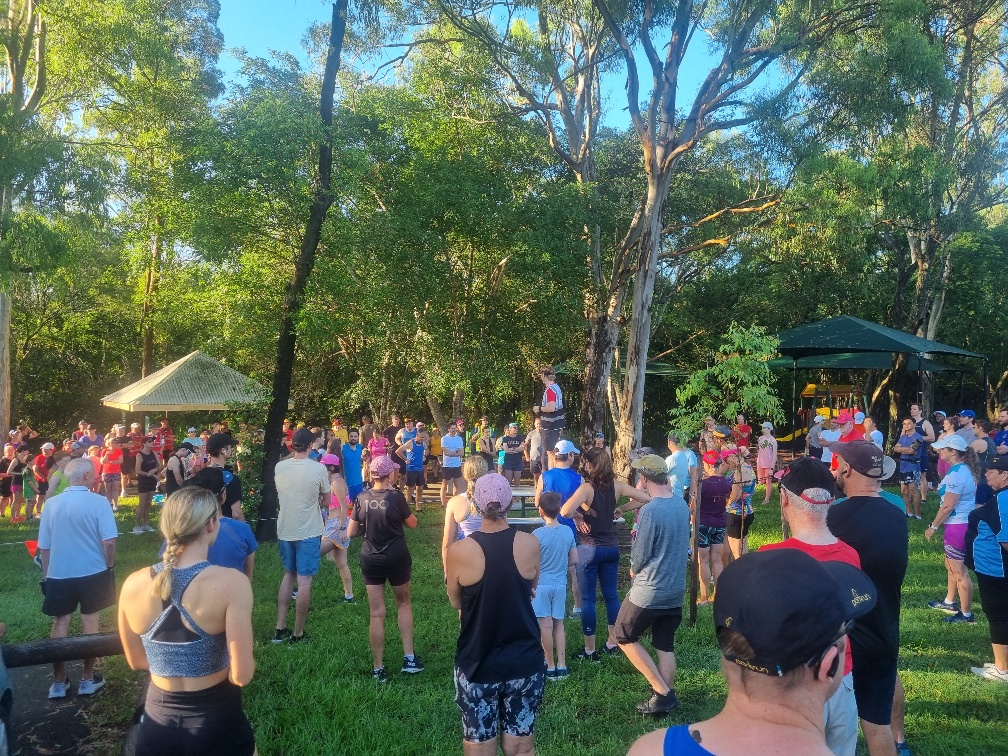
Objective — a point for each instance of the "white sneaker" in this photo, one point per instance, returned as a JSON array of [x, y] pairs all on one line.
[[59, 689], [148, 529], [988, 673], [138, 530], [88, 687]]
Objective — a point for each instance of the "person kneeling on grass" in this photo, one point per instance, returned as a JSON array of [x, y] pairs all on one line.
[[380, 515], [657, 567], [781, 620], [557, 553], [499, 667]]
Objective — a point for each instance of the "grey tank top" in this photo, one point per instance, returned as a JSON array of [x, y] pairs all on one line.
[[175, 650], [470, 524]]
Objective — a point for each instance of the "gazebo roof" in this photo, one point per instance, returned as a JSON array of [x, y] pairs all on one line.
[[195, 382], [846, 333], [860, 361]]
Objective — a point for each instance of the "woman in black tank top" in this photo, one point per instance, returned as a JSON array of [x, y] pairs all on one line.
[[593, 508], [491, 576]]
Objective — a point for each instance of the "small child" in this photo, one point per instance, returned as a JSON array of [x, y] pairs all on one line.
[[557, 552]]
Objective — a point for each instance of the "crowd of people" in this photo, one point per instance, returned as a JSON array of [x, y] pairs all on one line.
[[808, 628]]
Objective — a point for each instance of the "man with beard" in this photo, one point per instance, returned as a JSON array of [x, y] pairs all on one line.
[[1001, 439]]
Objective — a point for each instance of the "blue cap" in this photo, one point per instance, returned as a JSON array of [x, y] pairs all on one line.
[[968, 413]]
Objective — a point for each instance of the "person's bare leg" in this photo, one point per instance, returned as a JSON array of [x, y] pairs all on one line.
[[486, 748], [89, 626], [340, 557], [444, 492], [560, 638], [953, 583], [642, 660], [60, 628], [404, 612], [546, 639], [705, 574], [514, 745], [879, 739], [964, 586], [1000, 655], [283, 598], [29, 507], [302, 604], [667, 667], [376, 628], [716, 560], [572, 572], [898, 711]]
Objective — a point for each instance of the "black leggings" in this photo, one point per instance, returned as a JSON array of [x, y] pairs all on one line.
[[209, 721], [994, 600]]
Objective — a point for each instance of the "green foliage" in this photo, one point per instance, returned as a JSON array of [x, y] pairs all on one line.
[[738, 381]]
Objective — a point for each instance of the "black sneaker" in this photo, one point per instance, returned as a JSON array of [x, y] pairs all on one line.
[[412, 666], [349, 600], [296, 639], [281, 636], [379, 675], [561, 673], [659, 704], [583, 655], [608, 650]]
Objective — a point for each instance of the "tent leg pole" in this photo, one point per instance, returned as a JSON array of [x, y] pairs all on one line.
[[794, 417], [986, 380], [960, 389], [920, 380]]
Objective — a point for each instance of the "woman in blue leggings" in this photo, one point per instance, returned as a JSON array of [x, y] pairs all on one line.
[[593, 508]]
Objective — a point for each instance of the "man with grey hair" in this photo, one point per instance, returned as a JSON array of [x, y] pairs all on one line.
[[77, 542], [807, 489]]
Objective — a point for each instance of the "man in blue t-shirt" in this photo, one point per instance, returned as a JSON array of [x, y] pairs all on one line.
[[565, 481], [909, 448], [1001, 437], [352, 451]]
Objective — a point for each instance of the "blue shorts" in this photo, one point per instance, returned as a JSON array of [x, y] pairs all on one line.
[[301, 557], [550, 600], [354, 491]]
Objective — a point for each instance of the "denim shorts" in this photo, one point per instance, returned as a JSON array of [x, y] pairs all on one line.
[[550, 600], [301, 557], [514, 703]]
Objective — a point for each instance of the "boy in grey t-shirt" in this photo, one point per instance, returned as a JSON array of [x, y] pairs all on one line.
[[557, 552]]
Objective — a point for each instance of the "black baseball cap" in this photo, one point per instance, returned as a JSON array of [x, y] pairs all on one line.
[[788, 606], [866, 458], [804, 473], [218, 442], [1000, 462], [303, 437]]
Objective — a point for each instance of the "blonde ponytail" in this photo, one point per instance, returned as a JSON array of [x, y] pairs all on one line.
[[474, 468], [183, 518]]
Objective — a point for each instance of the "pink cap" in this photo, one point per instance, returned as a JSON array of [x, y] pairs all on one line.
[[382, 466], [845, 417], [492, 488], [330, 459]]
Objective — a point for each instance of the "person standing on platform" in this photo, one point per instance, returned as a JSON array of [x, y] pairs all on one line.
[[551, 414]]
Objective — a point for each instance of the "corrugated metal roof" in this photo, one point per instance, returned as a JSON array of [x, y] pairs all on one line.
[[196, 382]]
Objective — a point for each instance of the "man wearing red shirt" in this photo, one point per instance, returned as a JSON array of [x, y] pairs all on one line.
[[845, 424], [741, 432], [136, 444], [41, 466], [164, 439], [807, 490]]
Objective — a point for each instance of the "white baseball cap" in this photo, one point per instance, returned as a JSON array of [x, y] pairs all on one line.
[[953, 441], [767, 424], [564, 446], [47, 445], [818, 419]]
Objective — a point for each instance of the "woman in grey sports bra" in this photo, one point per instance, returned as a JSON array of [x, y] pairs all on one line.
[[193, 701], [461, 517]]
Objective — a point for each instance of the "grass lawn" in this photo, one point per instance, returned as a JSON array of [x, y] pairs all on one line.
[[319, 698]]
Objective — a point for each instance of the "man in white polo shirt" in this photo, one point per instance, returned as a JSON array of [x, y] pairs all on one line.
[[77, 542]]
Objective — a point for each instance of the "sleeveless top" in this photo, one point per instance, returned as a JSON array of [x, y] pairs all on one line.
[[415, 456], [603, 529], [470, 523], [148, 462], [555, 420], [679, 741], [172, 484], [499, 637], [925, 446], [175, 650]]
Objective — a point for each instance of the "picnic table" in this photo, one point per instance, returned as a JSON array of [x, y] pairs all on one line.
[[523, 494], [528, 524]]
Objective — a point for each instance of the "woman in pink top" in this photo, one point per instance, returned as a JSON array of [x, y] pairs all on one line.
[[766, 458], [378, 446]]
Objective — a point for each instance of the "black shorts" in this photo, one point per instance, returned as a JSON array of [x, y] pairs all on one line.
[[994, 600], [5, 486], [42, 486], [815, 452], [632, 621], [395, 565], [196, 723], [91, 592], [874, 685], [517, 465], [536, 466], [738, 527], [450, 473], [415, 478]]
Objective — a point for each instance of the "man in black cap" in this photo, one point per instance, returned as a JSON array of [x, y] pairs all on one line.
[[878, 533], [782, 620], [218, 448]]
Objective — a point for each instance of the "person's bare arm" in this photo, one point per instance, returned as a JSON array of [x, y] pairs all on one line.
[[453, 587], [538, 490], [238, 627], [249, 567], [949, 502], [638, 498], [581, 497], [403, 448], [44, 557], [109, 547], [133, 648], [928, 434]]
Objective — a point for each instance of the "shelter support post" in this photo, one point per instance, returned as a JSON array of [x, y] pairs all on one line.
[[986, 380], [920, 379], [960, 389], [794, 416]]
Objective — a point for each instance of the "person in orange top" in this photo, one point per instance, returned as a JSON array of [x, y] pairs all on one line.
[[165, 436], [111, 470]]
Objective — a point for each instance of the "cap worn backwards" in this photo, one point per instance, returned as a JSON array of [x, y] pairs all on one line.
[[492, 489], [866, 458], [651, 465]]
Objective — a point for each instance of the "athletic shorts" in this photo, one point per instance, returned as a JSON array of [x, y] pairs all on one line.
[[550, 601], [451, 473], [5, 486], [146, 484], [708, 535], [111, 478], [911, 477], [994, 600], [91, 592], [395, 577], [338, 537], [514, 465], [415, 478], [874, 685], [738, 527], [354, 491], [195, 723], [301, 557], [632, 622], [815, 452], [42, 487], [514, 703], [536, 466], [955, 541]]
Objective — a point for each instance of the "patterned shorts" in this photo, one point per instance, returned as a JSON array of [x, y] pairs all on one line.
[[708, 535], [911, 477], [514, 703]]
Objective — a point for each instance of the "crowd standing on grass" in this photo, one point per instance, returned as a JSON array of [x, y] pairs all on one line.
[[813, 684]]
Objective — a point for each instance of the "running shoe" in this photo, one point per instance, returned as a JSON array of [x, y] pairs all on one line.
[[281, 636], [990, 673], [959, 618], [902, 749], [608, 650], [298, 639], [59, 689], [138, 530], [412, 666], [379, 675], [575, 612], [294, 595], [583, 655], [92, 686], [349, 600], [149, 529], [659, 704], [561, 673], [951, 608], [550, 674]]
